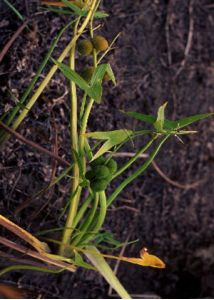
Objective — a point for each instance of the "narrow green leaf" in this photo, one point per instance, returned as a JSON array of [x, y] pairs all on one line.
[[98, 74], [113, 138], [159, 123], [189, 120], [96, 90], [31, 268], [93, 92], [102, 266], [12, 7], [81, 263], [100, 14], [111, 74], [141, 117], [78, 11]]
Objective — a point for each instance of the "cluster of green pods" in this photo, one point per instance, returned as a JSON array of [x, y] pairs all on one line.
[[101, 173]]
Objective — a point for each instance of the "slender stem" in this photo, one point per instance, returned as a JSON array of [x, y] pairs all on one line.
[[75, 191], [134, 158], [91, 101], [54, 68], [120, 188], [82, 210], [87, 222], [98, 220]]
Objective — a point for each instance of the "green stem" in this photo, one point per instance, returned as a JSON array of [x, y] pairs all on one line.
[[82, 230], [133, 159], [75, 191], [120, 188], [98, 221], [82, 210]]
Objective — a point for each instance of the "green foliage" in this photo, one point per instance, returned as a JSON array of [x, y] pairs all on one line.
[[113, 138]]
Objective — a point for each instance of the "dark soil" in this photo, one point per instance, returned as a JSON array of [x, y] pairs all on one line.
[[177, 224]]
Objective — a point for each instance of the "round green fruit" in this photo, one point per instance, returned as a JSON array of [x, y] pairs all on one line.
[[101, 172], [99, 185], [112, 166], [99, 161], [85, 47], [100, 43]]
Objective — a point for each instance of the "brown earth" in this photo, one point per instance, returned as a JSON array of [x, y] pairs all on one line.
[[165, 53]]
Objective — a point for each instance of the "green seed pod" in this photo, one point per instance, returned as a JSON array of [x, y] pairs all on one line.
[[99, 161], [85, 47], [87, 73], [101, 172], [100, 43], [112, 166], [99, 185], [90, 175]]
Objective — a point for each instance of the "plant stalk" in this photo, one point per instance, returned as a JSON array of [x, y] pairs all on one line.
[[139, 171]]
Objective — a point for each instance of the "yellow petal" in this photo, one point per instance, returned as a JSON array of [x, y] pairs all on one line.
[[149, 260]]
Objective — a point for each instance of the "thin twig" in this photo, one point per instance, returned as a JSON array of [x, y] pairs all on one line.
[[167, 33], [33, 145], [161, 173], [189, 39], [175, 183], [12, 40]]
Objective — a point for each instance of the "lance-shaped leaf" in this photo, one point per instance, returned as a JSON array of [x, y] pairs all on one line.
[[94, 89], [113, 138], [25, 235], [169, 124], [159, 123]]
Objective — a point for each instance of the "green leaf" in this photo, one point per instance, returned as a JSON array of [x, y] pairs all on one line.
[[100, 14], [93, 92], [168, 124], [12, 7], [98, 74], [102, 266], [111, 74], [141, 117], [159, 123], [78, 11], [81, 263], [96, 90], [113, 138], [189, 120]]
